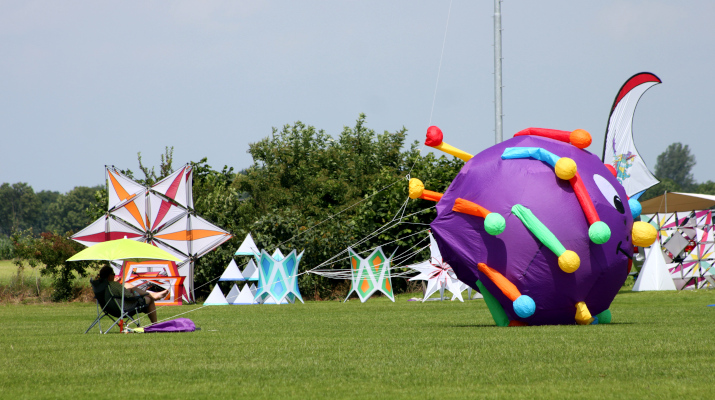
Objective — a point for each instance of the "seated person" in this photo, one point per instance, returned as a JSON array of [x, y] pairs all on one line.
[[146, 301]]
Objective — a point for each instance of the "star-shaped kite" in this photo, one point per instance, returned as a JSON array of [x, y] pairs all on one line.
[[438, 274], [162, 215]]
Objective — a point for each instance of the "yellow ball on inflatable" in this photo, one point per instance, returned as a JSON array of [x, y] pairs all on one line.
[[416, 188], [565, 168], [569, 261], [643, 233]]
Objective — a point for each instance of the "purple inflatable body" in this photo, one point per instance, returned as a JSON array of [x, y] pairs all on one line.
[[498, 184]]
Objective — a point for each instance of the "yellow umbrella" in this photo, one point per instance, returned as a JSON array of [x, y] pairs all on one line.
[[123, 249]]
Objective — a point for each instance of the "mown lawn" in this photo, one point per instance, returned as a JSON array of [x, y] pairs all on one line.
[[660, 345]]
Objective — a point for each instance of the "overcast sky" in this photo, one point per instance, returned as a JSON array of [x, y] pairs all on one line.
[[89, 83]]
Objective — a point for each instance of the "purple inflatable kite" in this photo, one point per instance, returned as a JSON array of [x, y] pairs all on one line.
[[539, 226]]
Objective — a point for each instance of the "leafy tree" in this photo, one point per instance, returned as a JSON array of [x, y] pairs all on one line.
[[19, 207], [50, 251], [69, 212], [665, 185], [7, 251], [311, 192], [216, 200], [99, 207], [706, 188], [165, 168], [306, 190], [47, 198], [676, 163]]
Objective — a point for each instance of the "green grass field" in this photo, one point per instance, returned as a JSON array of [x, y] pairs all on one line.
[[659, 346]]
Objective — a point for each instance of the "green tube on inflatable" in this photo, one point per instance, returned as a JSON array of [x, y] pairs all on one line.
[[495, 308], [538, 229]]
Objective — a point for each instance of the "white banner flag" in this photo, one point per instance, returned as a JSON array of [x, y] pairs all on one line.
[[618, 148]]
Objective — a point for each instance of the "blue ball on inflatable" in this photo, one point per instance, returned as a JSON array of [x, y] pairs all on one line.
[[524, 306], [636, 207]]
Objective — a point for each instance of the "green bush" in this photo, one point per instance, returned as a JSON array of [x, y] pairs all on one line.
[[50, 251], [7, 251]]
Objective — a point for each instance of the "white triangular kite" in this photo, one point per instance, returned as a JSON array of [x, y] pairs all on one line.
[[232, 273], [248, 247], [216, 298], [271, 300], [250, 273], [233, 294], [246, 297]]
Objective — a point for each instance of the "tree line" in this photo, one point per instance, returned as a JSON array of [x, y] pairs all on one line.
[[306, 190], [674, 170], [23, 208]]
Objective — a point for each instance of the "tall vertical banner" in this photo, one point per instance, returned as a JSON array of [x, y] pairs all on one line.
[[618, 148]]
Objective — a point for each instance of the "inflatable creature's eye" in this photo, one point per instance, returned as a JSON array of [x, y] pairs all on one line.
[[609, 193]]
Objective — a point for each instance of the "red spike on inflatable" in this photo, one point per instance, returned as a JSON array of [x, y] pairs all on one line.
[[434, 136]]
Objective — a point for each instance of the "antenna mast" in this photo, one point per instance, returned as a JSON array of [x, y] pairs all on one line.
[[497, 72]]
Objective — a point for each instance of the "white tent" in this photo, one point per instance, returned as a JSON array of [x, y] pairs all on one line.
[[654, 274]]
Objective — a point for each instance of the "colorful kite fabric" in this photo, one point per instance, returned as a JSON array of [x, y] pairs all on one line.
[[540, 226], [686, 239], [158, 274], [438, 274], [370, 275], [161, 215], [277, 278], [619, 149]]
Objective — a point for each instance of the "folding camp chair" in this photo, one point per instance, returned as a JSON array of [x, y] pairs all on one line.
[[111, 305]]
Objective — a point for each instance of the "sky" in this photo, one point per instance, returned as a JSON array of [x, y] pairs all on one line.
[[84, 84]]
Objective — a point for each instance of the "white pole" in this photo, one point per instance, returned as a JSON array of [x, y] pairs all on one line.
[[497, 72]]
